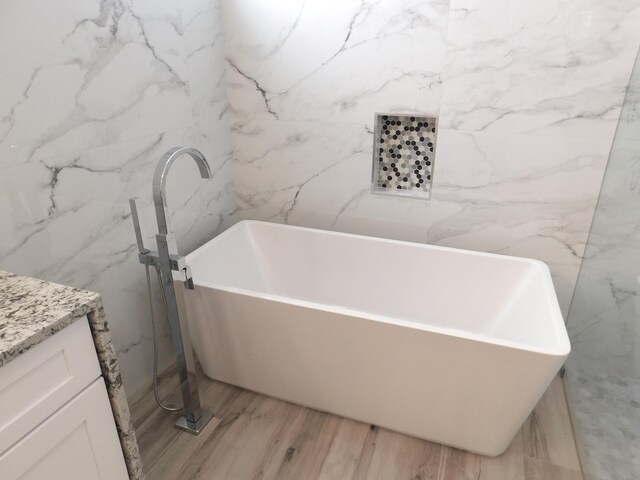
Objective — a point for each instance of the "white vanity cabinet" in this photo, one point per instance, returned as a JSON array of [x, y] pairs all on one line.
[[56, 421]]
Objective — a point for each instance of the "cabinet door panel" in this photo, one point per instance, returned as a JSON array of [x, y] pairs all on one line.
[[79, 441], [43, 379]]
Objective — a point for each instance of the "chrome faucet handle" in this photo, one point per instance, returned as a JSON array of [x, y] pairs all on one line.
[[136, 206], [175, 263], [188, 282]]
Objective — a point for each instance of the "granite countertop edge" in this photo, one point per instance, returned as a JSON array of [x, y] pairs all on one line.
[[31, 310], [37, 337]]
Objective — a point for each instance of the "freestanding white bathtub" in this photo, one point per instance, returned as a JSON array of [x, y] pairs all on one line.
[[448, 345]]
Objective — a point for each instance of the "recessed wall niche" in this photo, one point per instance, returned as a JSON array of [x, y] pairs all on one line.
[[403, 154]]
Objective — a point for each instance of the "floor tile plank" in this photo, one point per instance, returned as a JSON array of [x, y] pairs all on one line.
[[304, 447], [366, 454], [188, 452], [547, 434], [509, 465], [539, 470], [260, 438], [459, 465], [401, 457], [241, 450], [342, 460]]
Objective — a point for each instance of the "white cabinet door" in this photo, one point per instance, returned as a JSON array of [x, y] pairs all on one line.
[[43, 379], [79, 441]]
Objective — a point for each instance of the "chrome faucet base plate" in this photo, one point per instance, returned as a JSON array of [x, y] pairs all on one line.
[[205, 419]]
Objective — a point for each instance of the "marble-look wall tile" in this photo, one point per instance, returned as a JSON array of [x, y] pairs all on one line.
[[79, 230], [94, 73], [334, 60], [604, 322], [603, 371], [204, 51], [99, 91], [80, 200], [528, 96], [553, 68], [304, 79], [487, 195], [522, 195], [282, 178]]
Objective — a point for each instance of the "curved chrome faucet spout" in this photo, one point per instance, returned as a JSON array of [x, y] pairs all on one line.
[[167, 260], [160, 180]]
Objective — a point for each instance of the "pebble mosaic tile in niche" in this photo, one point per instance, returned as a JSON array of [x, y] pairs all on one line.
[[403, 155]]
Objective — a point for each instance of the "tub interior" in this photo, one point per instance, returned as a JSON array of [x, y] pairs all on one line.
[[494, 296]]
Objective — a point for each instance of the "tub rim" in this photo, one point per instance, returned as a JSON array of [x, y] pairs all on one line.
[[562, 349]]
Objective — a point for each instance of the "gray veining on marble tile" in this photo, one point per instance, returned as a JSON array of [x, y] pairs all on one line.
[[95, 92], [32, 310], [603, 372], [302, 92]]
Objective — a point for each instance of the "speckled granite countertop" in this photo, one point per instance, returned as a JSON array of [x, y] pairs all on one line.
[[32, 310]]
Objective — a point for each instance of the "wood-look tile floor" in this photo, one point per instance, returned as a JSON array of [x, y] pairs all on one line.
[[258, 437]]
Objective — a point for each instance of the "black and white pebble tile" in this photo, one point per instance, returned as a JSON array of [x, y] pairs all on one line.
[[404, 152], [32, 310]]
